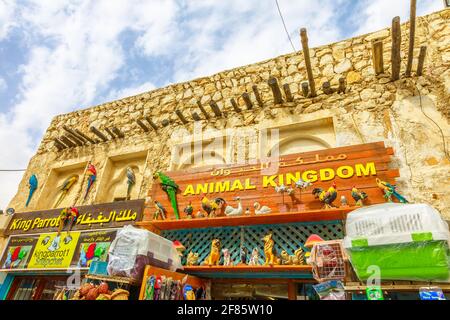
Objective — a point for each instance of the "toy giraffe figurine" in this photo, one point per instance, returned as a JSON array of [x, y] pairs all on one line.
[[269, 251]]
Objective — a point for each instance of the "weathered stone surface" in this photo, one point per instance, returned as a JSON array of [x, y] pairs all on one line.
[[353, 77], [343, 66]]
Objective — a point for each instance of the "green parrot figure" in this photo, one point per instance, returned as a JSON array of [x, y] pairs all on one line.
[[171, 188]]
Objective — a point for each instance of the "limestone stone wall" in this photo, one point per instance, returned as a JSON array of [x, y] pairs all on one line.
[[372, 109]]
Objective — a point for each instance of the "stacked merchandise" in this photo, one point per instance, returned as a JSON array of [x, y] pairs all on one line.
[[398, 242], [135, 248], [166, 288]]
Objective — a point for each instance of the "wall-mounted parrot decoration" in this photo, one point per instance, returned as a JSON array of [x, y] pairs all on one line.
[[66, 186], [33, 185], [389, 191], [171, 188], [92, 176], [68, 216], [131, 181]]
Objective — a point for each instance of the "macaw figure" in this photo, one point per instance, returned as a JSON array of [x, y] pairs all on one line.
[[131, 181], [171, 188], [68, 215], [33, 185], [66, 186], [389, 191], [92, 176]]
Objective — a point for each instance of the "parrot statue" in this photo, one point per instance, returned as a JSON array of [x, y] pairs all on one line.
[[390, 190], [92, 176], [66, 186], [358, 196], [68, 215], [171, 188], [33, 185], [131, 181], [326, 197], [189, 210]]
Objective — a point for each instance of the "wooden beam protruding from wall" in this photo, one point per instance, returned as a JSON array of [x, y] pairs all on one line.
[[215, 108], [412, 35], [181, 116], [396, 47], [142, 125], [377, 56], [273, 84], [59, 145], [342, 86], [74, 136], [81, 134], [288, 93], [195, 116], [118, 132], [422, 56], [151, 123], [95, 131], [203, 110], [326, 87], [111, 134], [305, 46], [235, 105], [257, 95], [305, 89], [68, 142], [247, 100]]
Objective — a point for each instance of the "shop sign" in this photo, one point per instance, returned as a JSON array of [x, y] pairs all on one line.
[[50, 251], [103, 216], [358, 166]]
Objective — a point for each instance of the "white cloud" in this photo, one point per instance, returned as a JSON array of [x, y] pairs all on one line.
[[76, 51], [3, 84], [7, 8]]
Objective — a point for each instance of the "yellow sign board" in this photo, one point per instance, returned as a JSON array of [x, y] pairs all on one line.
[[53, 251]]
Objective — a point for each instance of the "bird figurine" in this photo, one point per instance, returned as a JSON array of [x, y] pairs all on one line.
[[92, 176], [301, 184], [247, 212], [281, 189], [261, 210], [358, 196], [326, 197], [65, 188], [171, 188], [389, 191], [344, 202], [131, 181], [33, 185], [211, 206], [230, 211], [160, 210], [67, 216], [189, 210], [243, 253]]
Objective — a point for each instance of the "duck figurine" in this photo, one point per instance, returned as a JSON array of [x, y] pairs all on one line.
[[230, 211], [261, 210]]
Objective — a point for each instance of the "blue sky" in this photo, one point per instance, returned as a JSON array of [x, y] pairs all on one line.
[[58, 56]]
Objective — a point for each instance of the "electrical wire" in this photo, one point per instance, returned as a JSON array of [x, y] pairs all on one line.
[[440, 129], [12, 170], [284, 25]]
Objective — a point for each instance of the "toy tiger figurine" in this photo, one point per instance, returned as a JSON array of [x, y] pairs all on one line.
[[296, 259], [269, 251], [214, 256]]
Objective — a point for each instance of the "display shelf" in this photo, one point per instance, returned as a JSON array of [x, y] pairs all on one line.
[[272, 218], [150, 270], [397, 286], [124, 280], [245, 271]]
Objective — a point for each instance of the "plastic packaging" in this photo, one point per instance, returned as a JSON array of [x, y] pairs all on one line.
[[135, 248], [330, 290], [398, 242]]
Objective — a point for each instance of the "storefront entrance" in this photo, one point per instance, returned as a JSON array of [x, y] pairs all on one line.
[[35, 288]]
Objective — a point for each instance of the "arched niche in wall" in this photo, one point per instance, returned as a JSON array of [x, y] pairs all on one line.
[[201, 160], [113, 184], [51, 190], [298, 144], [299, 137]]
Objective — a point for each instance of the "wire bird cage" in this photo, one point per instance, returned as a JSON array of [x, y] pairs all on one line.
[[328, 261]]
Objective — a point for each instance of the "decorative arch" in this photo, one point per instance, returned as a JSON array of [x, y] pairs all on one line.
[[189, 163], [309, 143]]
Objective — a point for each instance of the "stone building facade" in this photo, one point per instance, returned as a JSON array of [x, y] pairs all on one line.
[[374, 108]]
